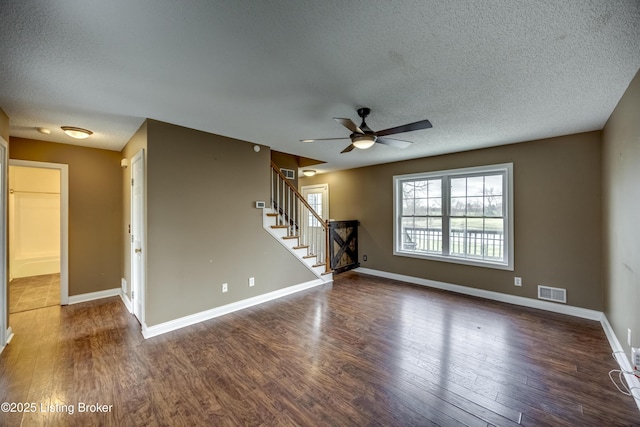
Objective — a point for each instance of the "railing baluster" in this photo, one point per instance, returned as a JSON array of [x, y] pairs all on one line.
[[301, 219], [289, 228]]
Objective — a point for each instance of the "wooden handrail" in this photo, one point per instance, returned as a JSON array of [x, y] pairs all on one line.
[[297, 193], [301, 199]]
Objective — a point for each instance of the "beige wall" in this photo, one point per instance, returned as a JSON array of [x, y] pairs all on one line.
[[95, 210], [4, 125], [202, 225], [286, 161], [621, 216], [556, 206], [137, 142]]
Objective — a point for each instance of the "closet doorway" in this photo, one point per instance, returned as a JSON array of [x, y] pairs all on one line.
[[37, 195]]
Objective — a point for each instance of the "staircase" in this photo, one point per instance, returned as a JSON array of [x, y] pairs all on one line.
[[297, 226]]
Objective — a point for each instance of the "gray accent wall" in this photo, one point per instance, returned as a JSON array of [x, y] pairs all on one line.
[[621, 216], [557, 208], [202, 225]]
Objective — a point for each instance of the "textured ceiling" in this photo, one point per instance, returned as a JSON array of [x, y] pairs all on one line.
[[274, 72]]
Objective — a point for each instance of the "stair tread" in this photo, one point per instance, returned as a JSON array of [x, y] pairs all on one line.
[[309, 256], [279, 226], [318, 265], [301, 247], [290, 237], [272, 214], [327, 272]]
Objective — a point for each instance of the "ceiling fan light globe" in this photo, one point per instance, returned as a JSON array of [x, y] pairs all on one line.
[[363, 141]]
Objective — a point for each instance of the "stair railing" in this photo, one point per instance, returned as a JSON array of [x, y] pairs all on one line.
[[300, 219]]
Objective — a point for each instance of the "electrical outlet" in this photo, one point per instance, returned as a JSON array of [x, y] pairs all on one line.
[[629, 337], [225, 287], [252, 281], [517, 281]]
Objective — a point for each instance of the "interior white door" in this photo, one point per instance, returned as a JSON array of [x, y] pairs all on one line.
[[137, 236]]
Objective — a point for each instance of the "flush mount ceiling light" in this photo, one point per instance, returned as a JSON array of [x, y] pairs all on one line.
[[44, 131], [77, 133], [309, 172]]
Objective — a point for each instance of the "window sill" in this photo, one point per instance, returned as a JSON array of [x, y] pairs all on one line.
[[455, 260]]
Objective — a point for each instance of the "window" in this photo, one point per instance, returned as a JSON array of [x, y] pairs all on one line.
[[462, 216], [315, 201]]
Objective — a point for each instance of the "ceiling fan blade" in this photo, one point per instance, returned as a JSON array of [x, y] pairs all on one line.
[[349, 148], [422, 124], [398, 143], [321, 139], [348, 123]]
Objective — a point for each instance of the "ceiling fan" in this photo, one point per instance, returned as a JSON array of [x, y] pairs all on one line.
[[363, 137]]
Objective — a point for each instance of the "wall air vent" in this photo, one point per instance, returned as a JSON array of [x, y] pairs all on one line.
[[288, 173], [552, 294]]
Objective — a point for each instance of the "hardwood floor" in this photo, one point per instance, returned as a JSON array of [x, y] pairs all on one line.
[[363, 351]]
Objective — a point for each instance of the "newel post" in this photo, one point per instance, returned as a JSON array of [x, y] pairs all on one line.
[[327, 263]]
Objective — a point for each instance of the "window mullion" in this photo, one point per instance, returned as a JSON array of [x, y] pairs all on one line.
[[446, 209]]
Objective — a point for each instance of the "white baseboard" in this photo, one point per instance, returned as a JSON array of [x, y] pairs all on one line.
[[126, 301], [172, 325], [495, 296], [621, 357], [76, 299]]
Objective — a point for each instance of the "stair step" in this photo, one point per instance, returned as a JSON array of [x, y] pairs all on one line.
[[309, 256], [273, 214], [279, 226], [327, 272], [318, 265], [301, 247], [290, 237]]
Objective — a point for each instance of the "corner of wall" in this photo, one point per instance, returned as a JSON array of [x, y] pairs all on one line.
[[4, 125], [620, 146]]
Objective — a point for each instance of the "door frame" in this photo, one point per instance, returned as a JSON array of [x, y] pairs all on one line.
[[64, 219], [138, 287], [5, 329]]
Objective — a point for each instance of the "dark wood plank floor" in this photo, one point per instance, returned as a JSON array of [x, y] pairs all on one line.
[[363, 351]]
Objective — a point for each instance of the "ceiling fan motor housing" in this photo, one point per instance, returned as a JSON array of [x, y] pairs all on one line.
[[364, 112]]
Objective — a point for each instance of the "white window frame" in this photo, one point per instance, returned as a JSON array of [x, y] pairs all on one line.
[[447, 175]]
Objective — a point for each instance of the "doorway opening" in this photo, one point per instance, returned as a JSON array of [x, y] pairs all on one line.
[[38, 235]]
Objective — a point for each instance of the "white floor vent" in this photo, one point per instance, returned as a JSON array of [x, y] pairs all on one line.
[[552, 294]]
